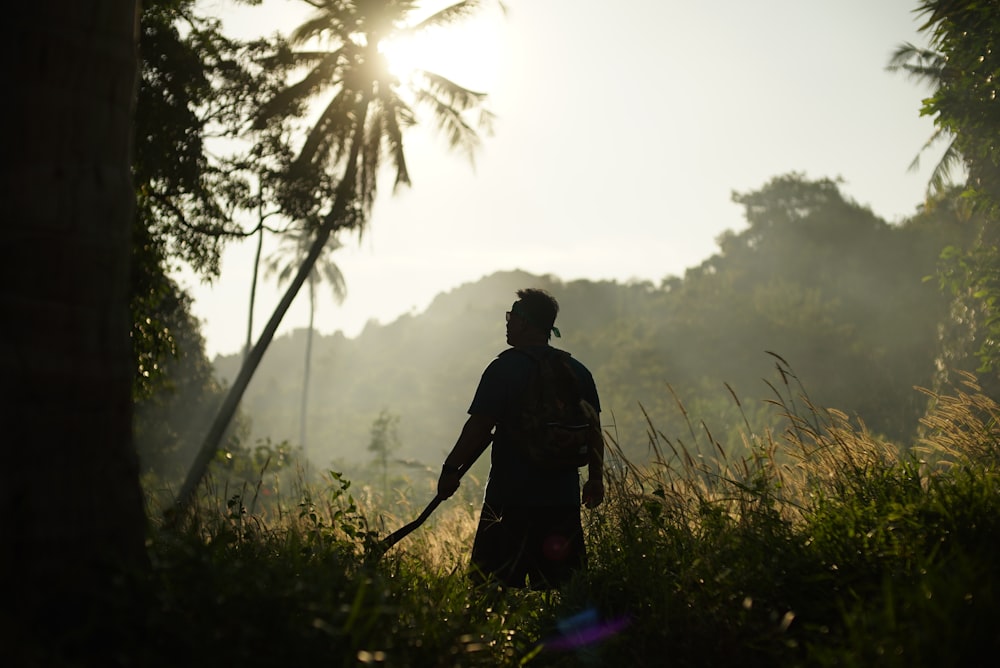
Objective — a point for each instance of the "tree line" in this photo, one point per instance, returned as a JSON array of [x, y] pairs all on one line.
[[849, 300], [865, 311]]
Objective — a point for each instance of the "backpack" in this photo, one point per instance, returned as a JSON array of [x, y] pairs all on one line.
[[554, 425]]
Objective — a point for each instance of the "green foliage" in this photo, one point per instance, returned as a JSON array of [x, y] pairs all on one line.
[[196, 85], [961, 65], [235, 590], [914, 556], [964, 102], [972, 277]]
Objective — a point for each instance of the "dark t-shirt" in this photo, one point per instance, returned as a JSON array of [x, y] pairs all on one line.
[[513, 479]]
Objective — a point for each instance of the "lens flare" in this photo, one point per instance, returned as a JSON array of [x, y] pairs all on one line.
[[584, 628]]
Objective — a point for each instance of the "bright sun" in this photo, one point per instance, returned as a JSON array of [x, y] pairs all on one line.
[[468, 53]]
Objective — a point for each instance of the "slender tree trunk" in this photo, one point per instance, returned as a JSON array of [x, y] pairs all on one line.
[[210, 445], [71, 509], [305, 372], [253, 289]]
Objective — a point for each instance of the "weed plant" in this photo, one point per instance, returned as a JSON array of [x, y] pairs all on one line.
[[821, 545]]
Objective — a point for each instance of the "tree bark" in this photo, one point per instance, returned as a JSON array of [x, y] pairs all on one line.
[[71, 509]]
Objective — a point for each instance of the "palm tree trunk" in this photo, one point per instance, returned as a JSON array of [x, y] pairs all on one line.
[[253, 289], [70, 502], [210, 445], [305, 371]]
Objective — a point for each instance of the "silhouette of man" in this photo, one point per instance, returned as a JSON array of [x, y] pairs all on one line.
[[530, 532]]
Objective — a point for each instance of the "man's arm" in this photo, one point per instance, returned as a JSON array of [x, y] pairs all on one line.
[[475, 436], [593, 489]]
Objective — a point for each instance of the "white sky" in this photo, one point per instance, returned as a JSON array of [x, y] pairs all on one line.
[[623, 128]]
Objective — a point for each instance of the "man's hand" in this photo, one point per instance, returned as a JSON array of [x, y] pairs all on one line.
[[448, 482], [593, 492], [477, 432]]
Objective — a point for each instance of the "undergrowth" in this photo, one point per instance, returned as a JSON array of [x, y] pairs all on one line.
[[823, 545]]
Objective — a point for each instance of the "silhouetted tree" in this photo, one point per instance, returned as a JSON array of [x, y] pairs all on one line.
[[283, 263], [384, 442], [961, 64], [363, 122], [71, 510]]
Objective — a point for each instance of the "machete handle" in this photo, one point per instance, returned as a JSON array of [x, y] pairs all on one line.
[[405, 530]]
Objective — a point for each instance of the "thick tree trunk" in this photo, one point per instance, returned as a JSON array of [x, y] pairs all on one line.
[[71, 511]]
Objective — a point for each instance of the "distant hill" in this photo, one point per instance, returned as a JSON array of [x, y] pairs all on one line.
[[423, 368]]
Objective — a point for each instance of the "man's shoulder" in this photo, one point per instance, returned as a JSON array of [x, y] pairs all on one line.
[[508, 360], [520, 355], [533, 352]]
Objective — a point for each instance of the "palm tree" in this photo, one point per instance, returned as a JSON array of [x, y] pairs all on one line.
[[361, 125], [283, 263], [928, 66]]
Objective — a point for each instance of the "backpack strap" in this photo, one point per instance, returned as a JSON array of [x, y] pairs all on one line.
[[537, 354]]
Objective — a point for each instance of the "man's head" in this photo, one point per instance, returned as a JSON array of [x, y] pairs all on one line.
[[532, 317]]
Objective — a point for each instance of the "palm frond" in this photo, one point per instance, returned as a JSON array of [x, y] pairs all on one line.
[[357, 80], [275, 265], [290, 100], [394, 116], [332, 21], [939, 10], [371, 154], [921, 64], [285, 260], [328, 136], [458, 133], [928, 66], [446, 101], [449, 92], [940, 179], [453, 13], [331, 274]]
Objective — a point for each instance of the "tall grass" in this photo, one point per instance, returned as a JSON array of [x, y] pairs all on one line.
[[820, 545]]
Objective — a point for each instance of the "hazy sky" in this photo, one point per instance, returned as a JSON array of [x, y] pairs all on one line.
[[623, 128]]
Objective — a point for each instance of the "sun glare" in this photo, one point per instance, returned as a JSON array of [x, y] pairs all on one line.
[[468, 53]]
